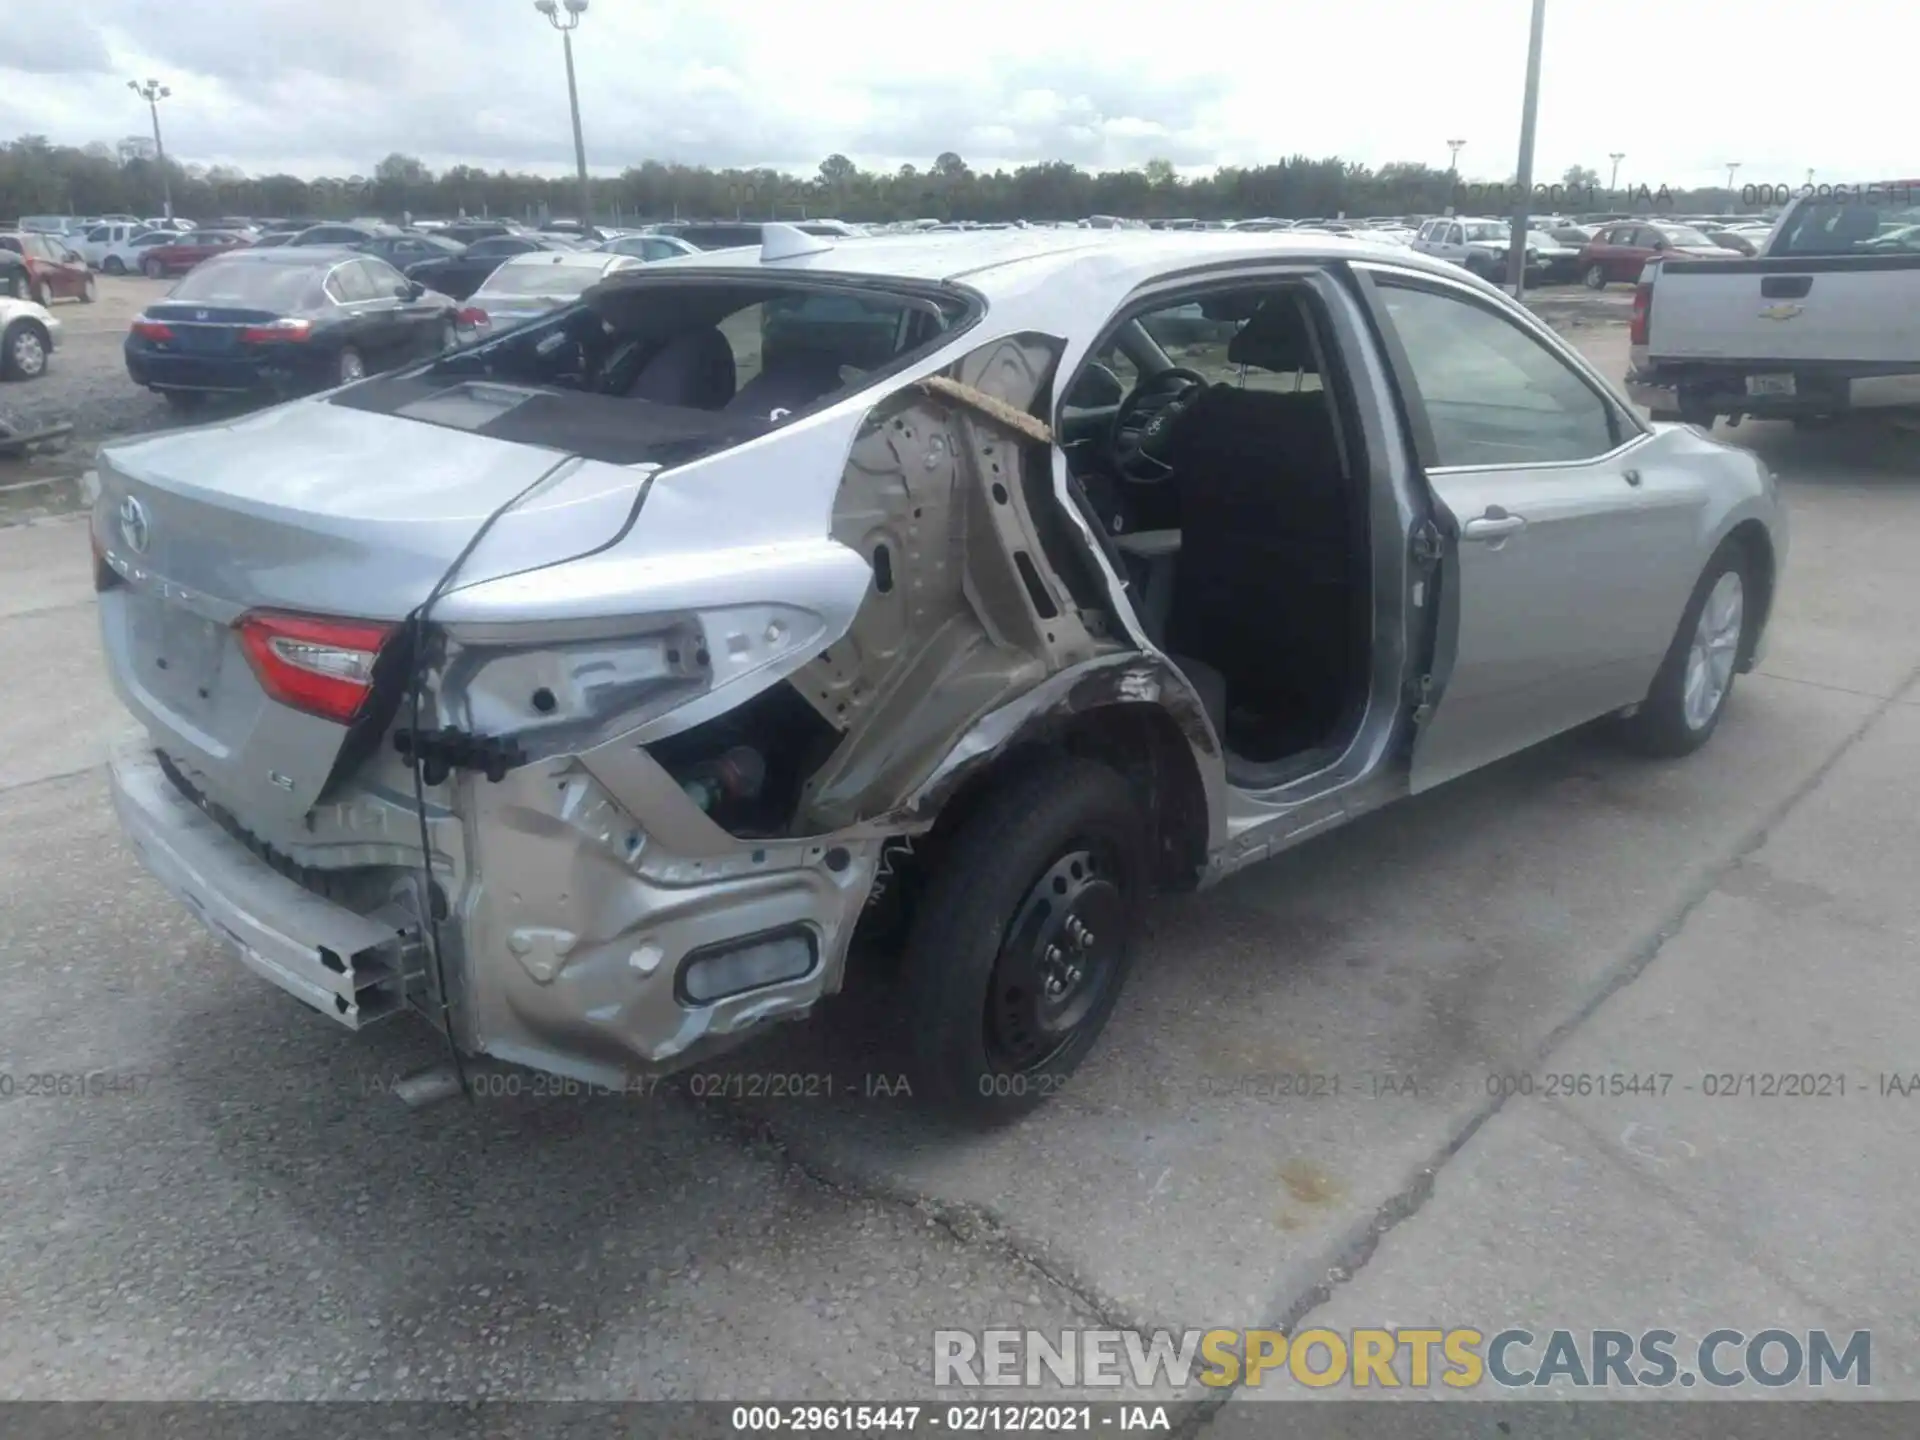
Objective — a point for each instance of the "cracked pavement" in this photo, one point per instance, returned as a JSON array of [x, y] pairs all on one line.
[[253, 1216]]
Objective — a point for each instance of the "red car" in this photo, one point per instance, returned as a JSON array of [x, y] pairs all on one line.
[[54, 271], [188, 251], [1620, 249]]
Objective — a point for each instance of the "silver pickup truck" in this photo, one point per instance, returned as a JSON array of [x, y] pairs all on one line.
[[1825, 320]]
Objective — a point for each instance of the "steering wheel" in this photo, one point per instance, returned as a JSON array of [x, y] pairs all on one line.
[[1145, 420]]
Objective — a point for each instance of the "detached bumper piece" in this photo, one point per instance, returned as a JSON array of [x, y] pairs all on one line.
[[353, 968]]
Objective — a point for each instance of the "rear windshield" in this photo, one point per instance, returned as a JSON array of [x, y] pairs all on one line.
[[1861, 227], [1685, 235], [262, 287], [543, 279], [637, 361]]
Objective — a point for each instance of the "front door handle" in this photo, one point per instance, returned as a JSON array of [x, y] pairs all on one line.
[[1496, 524]]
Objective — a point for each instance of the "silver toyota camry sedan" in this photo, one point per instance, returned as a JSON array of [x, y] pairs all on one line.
[[590, 691]]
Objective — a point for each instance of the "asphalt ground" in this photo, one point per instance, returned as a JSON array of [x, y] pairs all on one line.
[[250, 1214]]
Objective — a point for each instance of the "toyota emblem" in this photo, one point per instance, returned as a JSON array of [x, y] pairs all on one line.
[[133, 525]]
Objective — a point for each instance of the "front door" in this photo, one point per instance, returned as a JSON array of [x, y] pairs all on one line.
[[1557, 593]]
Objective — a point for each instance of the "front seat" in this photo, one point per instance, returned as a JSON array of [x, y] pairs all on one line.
[[791, 377], [1265, 589], [694, 369]]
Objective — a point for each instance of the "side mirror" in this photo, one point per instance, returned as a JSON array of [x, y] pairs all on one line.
[[1097, 387]]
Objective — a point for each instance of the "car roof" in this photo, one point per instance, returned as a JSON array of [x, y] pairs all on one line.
[[293, 255], [1048, 278]]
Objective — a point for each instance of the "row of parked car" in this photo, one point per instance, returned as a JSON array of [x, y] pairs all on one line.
[[1597, 254]]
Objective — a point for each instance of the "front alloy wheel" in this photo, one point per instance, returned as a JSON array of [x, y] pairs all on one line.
[[1716, 642], [1596, 277], [1689, 694], [352, 367]]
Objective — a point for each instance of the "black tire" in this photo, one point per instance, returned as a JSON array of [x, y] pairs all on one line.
[[24, 350], [90, 292], [19, 287], [114, 265], [43, 295], [1595, 277], [184, 401], [1660, 726], [349, 366], [983, 1048], [150, 268]]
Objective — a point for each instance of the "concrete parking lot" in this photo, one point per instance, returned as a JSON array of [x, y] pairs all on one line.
[[251, 1215]]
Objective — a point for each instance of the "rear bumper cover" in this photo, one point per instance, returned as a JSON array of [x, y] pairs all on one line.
[[1723, 391], [567, 948], [350, 967]]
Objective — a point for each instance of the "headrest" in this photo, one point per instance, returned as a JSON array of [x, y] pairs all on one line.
[[1856, 222], [1276, 338]]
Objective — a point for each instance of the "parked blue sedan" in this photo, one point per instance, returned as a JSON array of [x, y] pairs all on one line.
[[285, 321]]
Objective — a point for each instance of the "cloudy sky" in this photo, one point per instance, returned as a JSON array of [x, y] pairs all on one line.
[[330, 86]]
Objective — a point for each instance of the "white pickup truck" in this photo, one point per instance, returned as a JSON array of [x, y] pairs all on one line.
[[1825, 320]]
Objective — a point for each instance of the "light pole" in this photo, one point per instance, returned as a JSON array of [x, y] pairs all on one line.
[[1613, 180], [153, 92], [1732, 165], [1517, 248], [574, 10]]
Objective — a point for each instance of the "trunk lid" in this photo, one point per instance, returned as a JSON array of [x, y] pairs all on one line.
[[205, 329], [318, 509]]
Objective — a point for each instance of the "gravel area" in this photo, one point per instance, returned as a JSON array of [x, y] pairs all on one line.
[[87, 381]]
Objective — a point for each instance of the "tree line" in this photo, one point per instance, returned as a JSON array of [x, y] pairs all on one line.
[[38, 177]]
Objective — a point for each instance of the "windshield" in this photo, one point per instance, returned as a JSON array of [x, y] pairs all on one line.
[[259, 287], [1685, 235], [1487, 231], [563, 281]]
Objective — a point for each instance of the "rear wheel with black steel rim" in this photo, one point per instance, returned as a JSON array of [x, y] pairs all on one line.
[[1022, 938]]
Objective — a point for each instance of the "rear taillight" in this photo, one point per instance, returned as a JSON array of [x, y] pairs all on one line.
[[1642, 313], [278, 332], [473, 315], [151, 329], [323, 667]]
